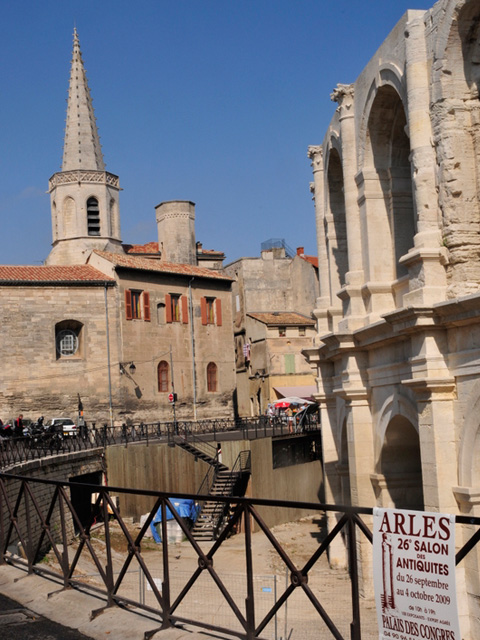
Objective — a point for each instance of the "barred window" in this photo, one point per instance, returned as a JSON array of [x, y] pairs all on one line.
[[67, 343]]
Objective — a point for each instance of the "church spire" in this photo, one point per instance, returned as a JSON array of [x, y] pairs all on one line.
[[84, 197], [82, 148]]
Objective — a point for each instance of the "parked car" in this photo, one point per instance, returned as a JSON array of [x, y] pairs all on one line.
[[64, 425]]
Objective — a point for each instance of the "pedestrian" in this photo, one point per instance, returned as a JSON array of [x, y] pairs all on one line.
[[18, 429], [289, 414]]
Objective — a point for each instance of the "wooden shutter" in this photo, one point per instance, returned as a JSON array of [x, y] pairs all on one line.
[[184, 310], [203, 310], [146, 306], [128, 304], [168, 307], [218, 304]]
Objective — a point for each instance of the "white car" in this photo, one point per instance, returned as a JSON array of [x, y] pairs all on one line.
[[67, 426]]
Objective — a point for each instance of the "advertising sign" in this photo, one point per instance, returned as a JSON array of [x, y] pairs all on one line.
[[414, 575]]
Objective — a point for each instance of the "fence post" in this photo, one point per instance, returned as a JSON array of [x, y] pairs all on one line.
[[250, 600], [355, 630]]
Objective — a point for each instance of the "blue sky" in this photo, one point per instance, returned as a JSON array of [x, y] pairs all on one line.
[[214, 101]]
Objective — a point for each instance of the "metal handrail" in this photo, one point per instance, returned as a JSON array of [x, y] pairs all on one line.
[[14, 450]]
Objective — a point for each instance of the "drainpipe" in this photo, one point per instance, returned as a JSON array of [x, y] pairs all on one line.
[[192, 339], [108, 359]]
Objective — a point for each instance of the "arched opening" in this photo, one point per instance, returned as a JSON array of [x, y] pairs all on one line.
[[211, 377], [337, 230], [93, 217], [389, 220], [401, 466], [162, 376], [68, 339]]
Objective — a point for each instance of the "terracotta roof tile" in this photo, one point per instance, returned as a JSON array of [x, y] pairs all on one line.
[[149, 247], [282, 318], [51, 274], [145, 264]]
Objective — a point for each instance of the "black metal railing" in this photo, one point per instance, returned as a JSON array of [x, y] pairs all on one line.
[[28, 519], [17, 450]]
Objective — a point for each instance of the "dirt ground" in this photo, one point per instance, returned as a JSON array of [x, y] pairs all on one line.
[[205, 602]]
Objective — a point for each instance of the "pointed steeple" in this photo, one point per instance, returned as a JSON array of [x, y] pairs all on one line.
[[82, 148], [84, 197]]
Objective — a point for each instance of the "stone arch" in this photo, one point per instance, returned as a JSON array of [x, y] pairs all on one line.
[[388, 217], [388, 75], [398, 478], [456, 48], [393, 406], [336, 222]]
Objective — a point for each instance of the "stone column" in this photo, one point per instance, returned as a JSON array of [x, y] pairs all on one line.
[[343, 94], [315, 153], [423, 261]]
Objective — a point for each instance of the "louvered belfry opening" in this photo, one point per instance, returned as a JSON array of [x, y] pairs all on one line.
[[93, 217]]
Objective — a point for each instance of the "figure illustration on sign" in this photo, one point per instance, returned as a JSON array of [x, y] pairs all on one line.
[[387, 596]]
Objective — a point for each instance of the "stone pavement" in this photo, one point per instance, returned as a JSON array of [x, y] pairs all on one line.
[[34, 608]]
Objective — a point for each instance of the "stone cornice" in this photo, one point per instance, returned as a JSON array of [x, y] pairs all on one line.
[[432, 388], [83, 176]]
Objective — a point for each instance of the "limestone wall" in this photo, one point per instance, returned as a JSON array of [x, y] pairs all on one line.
[[162, 468], [35, 380]]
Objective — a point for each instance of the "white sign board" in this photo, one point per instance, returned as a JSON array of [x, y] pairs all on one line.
[[414, 575]]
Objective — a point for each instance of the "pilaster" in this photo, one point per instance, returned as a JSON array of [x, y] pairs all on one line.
[[315, 153]]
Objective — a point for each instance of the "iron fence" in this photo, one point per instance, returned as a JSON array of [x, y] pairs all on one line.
[[39, 517], [22, 449]]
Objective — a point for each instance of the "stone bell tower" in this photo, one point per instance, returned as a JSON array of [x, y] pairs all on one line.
[[84, 197]]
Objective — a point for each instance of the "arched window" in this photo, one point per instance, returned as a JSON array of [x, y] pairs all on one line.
[[211, 376], [162, 374], [93, 217], [68, 337]]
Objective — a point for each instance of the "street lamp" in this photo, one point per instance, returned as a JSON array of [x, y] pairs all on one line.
[[131, 367]]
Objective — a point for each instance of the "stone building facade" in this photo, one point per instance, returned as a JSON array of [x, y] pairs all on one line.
[[397, 201], [273, 299], [73, 328]]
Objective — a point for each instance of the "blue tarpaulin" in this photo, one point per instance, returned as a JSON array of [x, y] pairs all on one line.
[[184, 508]]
